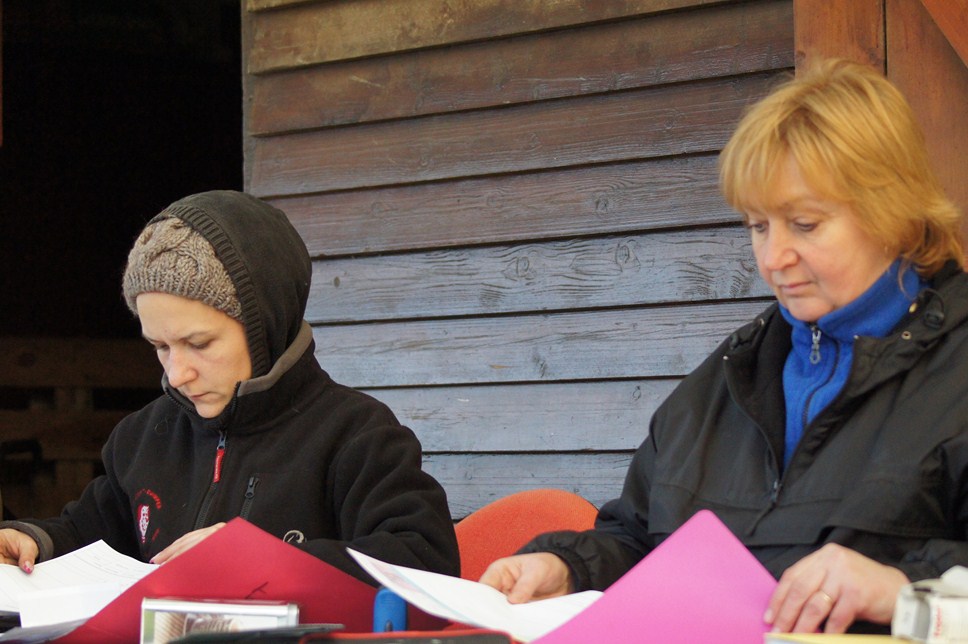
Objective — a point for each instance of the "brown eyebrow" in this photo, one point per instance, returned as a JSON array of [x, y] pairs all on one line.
[[187, 338]]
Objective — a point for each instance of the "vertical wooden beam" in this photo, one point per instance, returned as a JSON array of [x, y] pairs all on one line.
[[851, 29], [906, 39], [951, 16], [927, 69]]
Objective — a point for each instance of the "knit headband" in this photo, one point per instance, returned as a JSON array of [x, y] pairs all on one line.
[[169, 256]]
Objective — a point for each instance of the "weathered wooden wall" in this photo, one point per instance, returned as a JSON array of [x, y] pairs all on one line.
[[518, 240]]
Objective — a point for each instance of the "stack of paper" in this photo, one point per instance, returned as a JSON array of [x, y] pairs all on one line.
[[72, 587]]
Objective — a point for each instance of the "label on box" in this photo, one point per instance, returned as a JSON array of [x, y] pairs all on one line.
[[166, 619]]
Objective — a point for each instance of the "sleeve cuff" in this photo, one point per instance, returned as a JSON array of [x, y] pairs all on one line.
[[45, 545], [578, 571]]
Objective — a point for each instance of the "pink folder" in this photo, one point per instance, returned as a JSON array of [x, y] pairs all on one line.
[[699, 585], [242, 561]]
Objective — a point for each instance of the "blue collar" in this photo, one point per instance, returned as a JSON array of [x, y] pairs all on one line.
[[819, 364]]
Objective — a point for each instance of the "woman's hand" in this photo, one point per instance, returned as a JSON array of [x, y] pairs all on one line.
[[538, 575], [835, 584], [18, 549], [183, 543]]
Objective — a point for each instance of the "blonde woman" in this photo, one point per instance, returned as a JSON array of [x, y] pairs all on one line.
[[830, 433]]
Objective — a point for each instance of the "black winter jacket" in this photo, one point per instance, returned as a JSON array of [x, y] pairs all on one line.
[[882, 470], [317, 464]]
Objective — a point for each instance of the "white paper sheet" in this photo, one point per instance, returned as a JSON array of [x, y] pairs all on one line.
[[470, 602], [73, 586]]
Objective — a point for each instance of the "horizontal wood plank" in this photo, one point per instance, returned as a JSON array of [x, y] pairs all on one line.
[[306, 34], [629, 343], [586, 416], [651, 50], [474, 480], [261, 5], [62, 434], [587, 200], [667, 120], [680, 266], [78, 362]]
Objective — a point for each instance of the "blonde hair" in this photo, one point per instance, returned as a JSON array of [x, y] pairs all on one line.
[[855, 140]]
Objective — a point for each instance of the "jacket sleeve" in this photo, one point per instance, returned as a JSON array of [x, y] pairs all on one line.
[[45, 546], [387, 506], [936, 556], [620, 539]]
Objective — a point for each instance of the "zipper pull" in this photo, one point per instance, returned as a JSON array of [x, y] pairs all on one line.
[[219, 455], [815, 347], [250, 490], [774, 496]]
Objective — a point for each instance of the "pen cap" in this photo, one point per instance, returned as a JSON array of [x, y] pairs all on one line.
[[389, 612]]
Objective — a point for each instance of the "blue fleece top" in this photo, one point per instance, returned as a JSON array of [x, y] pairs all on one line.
[[819, 362]]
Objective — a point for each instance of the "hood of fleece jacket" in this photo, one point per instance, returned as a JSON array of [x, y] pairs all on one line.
[[266, 259]]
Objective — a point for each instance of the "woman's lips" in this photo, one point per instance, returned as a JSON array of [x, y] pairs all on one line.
[[793, 287]]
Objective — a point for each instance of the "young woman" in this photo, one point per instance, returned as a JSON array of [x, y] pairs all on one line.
[[249, 424]]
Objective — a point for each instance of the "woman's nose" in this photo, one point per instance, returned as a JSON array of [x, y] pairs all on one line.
[[777, 252], [178, 369]]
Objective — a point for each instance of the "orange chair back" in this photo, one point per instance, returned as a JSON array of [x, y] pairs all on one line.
[[501, 527]]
